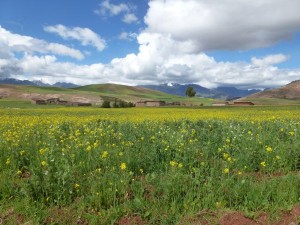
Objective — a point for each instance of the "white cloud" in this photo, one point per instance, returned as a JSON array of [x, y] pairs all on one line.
[[84, 35], [226, 24], [21, 43], [269, 60], [172, 47], [129, 18], [128, 36], [109, 9]]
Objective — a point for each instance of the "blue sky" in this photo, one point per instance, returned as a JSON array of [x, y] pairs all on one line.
[[209, 42]]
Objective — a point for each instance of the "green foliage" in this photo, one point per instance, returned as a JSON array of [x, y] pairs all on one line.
[[122, 104], [190, 92], [101, 170], [105, 104]]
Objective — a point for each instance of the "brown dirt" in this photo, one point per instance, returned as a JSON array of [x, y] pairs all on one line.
[[63, 216], [131, 220], [291, 218], [10, 216], [238, 218]]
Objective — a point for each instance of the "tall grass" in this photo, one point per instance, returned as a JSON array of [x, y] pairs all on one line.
[[159, 170]]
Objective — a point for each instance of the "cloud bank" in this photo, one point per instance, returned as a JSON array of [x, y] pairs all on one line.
[[84, 35], [172, 47], [20, 43], [106, 8]]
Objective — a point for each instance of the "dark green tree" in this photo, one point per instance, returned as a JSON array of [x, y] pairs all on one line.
[[190, 92], [105, 104]]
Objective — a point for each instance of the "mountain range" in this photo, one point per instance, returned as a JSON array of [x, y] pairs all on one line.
[[36, 83], [226, 93], [289, 91]]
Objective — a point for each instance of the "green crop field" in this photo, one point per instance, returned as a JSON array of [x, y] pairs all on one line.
[[147, 165]]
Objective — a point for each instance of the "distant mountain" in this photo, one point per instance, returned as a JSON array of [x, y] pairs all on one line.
[[289, 91], [16, 82], [39, 83], [227, 93], [65, 85]]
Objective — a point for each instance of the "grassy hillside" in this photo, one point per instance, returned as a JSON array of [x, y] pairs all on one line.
[[94, 94], [273, 101], [134, 94], [290, 91]]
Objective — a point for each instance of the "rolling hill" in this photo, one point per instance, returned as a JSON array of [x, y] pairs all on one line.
[[134, 94], [225, 93], [94, 94], [288, 94], [289, 91]]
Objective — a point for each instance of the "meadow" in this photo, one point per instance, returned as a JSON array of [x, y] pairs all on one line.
[[148, 165]]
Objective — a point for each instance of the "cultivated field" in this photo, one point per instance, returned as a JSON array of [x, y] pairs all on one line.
[[147, 165]]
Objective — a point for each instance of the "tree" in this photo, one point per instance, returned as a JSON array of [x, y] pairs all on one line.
[[105, 104], [190, 92]]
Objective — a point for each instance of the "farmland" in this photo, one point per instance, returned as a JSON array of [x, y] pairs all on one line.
[[148, 165]]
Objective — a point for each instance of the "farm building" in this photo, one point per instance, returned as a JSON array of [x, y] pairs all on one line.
[[243, 103], [79, 104], [150, 103], [220, 103], [37, 101], [53, 100], [57, 101]]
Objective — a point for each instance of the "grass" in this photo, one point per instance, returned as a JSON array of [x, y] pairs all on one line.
[[273, 101], [127, 93], [99, 166], [135, 93], [23, 104]]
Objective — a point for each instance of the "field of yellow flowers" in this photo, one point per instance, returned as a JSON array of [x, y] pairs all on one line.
[[97, 166]]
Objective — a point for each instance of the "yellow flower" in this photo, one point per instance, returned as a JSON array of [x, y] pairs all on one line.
[[7, 161], [88, 148], [269, 149], [263, 164], [77, 186], [180, 165], [22, 152], [292, 133], [43, 163], [96, 144], [239, 173], [277, 157], [42, 151], [121, 153], [225, 155], [123, 166], [173, 163], [218, 204], [226, 170], [104, 154], [141, 170], [19, 172]]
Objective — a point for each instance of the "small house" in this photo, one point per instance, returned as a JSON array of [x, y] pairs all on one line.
[[150, 103], [243, 103], [37, 101], [220, 103], [53, 100]]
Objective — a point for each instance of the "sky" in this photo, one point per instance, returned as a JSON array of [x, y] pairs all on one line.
[[240, 43]]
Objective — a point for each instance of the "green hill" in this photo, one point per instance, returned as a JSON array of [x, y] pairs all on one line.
[[94, 94]]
